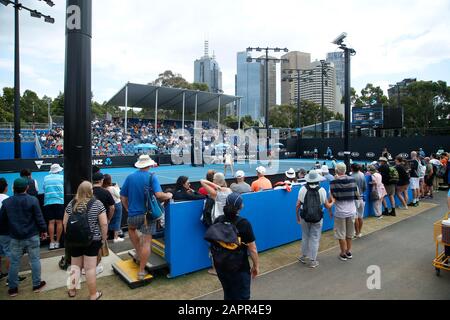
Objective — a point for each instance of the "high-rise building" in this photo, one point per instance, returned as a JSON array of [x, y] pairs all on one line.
[[400, 87], [272, 83], [338, 59], [249, 86], [311, 86], [207, 70], [298, 61]]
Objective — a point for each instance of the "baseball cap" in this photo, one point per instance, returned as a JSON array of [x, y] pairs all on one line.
[[234, 200], [261, 170], [20, 183], [240, 174]]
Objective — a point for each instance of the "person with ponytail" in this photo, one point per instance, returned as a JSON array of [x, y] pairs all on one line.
[[236, 285]]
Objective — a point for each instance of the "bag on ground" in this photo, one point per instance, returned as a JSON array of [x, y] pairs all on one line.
[[312, 211], [78, 230], [227, 250]]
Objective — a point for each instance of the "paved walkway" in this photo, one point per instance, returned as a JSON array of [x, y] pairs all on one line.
[[403, 251]]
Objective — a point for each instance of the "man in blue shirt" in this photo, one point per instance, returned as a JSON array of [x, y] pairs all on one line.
[[133, 200], [54, 203]]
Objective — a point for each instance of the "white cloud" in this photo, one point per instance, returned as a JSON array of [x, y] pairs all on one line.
[[136, 40]]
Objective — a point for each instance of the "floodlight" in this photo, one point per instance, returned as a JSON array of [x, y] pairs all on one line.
[[35, 14], [4, 2], [49, 19]]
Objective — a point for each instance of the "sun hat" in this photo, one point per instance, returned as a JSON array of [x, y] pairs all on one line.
[[56, 168], [383, 159], [290, 173], [261, 170], [240, 174], [313, 177], [144, 161]]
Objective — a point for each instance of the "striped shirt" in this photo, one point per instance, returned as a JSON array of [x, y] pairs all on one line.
[[96, 210], [53, 189], [343, 189]]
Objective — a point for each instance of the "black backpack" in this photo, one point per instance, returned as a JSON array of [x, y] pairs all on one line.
[[227, 250], [312, 208], [208, 210], [78, 230]]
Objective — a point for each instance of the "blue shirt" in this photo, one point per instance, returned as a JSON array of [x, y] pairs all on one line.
[[133, 189], [53, 189]]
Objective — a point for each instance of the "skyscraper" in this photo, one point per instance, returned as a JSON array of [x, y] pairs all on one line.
[[249, 86], [338, 59], [299, 61], [207, 70], [272, 83]]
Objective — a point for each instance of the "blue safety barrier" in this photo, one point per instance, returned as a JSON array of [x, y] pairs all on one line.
[[271, 214]]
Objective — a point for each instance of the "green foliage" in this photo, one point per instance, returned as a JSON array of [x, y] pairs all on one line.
[[175, 80], [285, 116]]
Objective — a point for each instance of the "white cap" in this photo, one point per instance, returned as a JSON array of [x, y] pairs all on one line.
[[240, 174], [261, 170], [325, 169], [56, 168]]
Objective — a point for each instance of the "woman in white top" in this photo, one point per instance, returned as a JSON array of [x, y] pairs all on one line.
[[114, 224], [219, 191], [379, 187], [228, 163]]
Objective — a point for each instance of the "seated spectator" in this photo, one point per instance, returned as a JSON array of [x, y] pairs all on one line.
[[288, 183], [209, 176], [240, 186], [262, 183], [301, 175], [183, 191], [326, 173]]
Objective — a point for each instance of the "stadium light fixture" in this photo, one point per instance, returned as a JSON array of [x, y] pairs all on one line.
[[49, 19], [5, 2], [35, 14]]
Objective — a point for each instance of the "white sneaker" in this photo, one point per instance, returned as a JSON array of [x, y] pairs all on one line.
[[99, 269], [51, 246], [119, 240], [380, 217], [56, 246]]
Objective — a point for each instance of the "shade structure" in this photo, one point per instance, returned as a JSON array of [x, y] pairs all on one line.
[[149, 96]]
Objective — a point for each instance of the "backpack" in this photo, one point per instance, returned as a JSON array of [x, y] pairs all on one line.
[[78, 230], [208, 209], [227, 250], [32, 188], [394, 177], [422, 169], [440, 171], [312, 208]]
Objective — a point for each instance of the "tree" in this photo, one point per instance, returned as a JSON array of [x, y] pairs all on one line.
[[285, 116], [371, 95], [176, 80], [7, 105], [282, 116]]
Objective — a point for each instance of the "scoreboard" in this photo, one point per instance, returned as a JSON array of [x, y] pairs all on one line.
[[368, 117]]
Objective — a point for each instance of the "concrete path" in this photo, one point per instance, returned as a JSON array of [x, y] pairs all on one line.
[[403, 252]]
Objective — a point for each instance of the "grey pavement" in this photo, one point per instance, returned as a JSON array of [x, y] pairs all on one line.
[[403, 251]]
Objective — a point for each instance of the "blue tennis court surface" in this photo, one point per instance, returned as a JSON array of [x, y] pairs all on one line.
[[169, 174]]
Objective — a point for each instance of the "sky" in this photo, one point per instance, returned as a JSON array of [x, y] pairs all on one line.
[[135, 40]]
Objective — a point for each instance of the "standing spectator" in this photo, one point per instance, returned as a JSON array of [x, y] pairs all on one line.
[[240, 186], [384, 170], [86, 256], [386, 154], [326, 173], [33, 188], [218, 191], [262, 183], [22, 215], [312, 208], [344, 193], [378, 187], [429, 177], [236, 285], [54, 204], [436, 166], [360, 180], [107, 200], [209, 176], [414, 174], [329, 153], [183, 191], [114, 224], [403, 182], [422, 153], [133, 200], [4, 233]]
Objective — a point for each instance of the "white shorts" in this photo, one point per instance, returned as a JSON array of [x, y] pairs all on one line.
[[360, 204], [414, 183]]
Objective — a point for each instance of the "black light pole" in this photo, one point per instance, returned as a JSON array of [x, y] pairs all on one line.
[[17, 142], [267, 90], [347, 53], [77, 96], [18, 6]]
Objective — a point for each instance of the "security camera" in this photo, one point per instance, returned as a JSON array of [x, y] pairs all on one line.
[[338, 41]]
